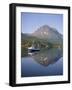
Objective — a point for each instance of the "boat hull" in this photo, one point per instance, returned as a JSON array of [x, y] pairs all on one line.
[[33, 50]]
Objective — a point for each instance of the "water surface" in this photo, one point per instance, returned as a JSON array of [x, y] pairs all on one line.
[[46, 62]]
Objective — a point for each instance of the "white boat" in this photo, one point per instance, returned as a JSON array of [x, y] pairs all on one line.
[[33, 49]]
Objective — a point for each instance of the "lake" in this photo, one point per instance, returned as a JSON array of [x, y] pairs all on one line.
[[46, 62]]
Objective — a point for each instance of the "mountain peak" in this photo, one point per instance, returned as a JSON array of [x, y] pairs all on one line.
[[45, 26], [48, 33], [42, 29]]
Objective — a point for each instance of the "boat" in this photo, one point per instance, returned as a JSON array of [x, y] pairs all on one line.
[[33, 48]]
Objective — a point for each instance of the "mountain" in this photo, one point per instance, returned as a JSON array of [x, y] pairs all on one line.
[[48, 33], [45, 36]]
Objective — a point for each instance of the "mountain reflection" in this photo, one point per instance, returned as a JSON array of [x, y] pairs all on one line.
[[47, 56]]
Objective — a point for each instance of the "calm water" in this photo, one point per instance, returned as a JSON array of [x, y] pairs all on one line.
[[47, 62]]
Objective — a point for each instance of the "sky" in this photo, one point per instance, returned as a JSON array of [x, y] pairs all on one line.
[[30, 22]]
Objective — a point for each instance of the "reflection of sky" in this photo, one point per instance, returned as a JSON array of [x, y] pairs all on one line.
[[30, 68], [32, 21]]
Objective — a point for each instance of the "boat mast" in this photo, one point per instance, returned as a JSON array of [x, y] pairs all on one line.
[[33, 44]]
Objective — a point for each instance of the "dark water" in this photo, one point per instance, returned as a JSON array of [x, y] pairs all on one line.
[[46, 62]]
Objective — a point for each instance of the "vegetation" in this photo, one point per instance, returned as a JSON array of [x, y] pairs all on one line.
[[27, 42]]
